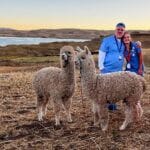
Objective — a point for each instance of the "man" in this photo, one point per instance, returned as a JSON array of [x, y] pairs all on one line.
[[111, 54], [111, 51]]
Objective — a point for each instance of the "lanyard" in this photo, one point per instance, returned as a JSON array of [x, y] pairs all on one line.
[[119, 48], [128, 56]]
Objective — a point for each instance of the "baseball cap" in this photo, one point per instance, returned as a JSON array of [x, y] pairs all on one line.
[[120, 24]]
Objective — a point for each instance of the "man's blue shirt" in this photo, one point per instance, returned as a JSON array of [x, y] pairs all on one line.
[[114, 54]]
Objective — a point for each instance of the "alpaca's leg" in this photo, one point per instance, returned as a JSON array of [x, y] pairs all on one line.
[[139, 109], [135, 108], [135, 113], [44, 106], [39, 108], [44, 109], [67, 107], [40, 113], [95, 110], [128, 117], [57, 112], [96, 118], [104, 117]]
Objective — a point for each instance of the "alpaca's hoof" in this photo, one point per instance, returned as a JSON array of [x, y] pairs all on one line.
[[122, 128], [57, 124], [104, 126], [70, 120], [104, 129], [96, 124], [40, 119], [45, 112], [57, 127]]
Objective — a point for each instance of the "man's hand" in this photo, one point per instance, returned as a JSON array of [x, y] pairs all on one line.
[[139, 44]]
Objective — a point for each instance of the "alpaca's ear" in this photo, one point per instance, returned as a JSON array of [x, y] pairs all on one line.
[[87, 50], [78, 49]]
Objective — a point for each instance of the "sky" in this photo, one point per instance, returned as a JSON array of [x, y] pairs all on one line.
[[83, 14]]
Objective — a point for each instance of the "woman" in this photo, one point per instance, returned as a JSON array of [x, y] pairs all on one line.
[[133, 55]]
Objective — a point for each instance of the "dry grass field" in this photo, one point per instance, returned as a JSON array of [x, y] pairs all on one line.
[[20, 129]]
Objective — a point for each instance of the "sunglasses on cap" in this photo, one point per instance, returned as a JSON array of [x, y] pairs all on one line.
[[121, 25], [120, 29]]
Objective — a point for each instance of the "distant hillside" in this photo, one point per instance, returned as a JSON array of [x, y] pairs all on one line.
[[61, 33], [55, 33], [144, 37]]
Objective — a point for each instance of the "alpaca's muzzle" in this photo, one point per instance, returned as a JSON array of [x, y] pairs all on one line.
[[64, 56]]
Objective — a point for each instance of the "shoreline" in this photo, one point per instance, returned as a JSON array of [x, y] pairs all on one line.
[[7, 41]]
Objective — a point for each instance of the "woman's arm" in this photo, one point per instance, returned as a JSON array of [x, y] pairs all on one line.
[[140, 70]]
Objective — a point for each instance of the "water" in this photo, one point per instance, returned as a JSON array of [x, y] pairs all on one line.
[[4, 41]]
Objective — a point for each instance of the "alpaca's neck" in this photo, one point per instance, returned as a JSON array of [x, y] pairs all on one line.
[[88, 77], [88, 73], [69, 72]]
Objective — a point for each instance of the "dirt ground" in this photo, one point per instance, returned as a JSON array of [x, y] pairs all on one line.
[[19, 128]]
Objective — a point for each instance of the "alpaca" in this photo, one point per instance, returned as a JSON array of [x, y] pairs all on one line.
[[111, 87], [56, 84]]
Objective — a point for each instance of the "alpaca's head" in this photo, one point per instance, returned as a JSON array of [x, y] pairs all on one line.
[[84, 58], [67, 55]]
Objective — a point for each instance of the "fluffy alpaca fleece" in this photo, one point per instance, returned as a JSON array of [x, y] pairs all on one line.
[[57, 85], [111, 87]]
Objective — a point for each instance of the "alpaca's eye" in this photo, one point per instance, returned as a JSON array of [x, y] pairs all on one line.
[[69, 53], [82, 57]]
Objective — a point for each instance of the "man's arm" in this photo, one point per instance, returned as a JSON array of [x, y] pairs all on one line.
[[139, 44], [101, 59], [102, 54]]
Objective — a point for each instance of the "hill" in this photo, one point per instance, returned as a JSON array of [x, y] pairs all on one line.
[[60, 33], [55, 33]]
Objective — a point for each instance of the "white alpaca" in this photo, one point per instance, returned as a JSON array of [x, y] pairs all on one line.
[[112, 87], [56, 84]]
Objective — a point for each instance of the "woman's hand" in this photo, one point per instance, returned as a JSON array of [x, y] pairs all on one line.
[[140, 71]]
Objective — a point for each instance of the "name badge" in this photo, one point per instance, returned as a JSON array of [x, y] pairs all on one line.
[[120, 57], [128, 66]]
